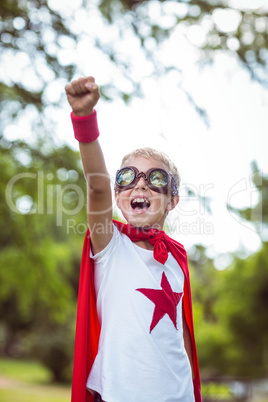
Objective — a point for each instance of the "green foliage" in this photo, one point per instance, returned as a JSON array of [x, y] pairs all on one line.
[[242, 307], [212, 338], [52, 344], [213, 391], [247, 39], [34, 35], [231, 307], [40, 257]]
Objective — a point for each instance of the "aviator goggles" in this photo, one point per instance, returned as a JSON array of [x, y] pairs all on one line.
[[158, 180]]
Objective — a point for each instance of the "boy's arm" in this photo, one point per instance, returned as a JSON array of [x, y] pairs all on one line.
[[83, 95]]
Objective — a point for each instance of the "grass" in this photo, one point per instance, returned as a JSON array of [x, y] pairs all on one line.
[[24, 381], [219, 391], [27, 371]]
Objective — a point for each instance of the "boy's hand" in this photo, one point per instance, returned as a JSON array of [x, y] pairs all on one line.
[[82, 94]]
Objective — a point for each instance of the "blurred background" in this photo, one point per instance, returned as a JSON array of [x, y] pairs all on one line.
[[187, 77]]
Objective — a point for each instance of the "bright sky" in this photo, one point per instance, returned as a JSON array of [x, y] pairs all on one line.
[[214, 161]]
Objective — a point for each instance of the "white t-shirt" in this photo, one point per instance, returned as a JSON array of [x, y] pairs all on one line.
[[141, 355]]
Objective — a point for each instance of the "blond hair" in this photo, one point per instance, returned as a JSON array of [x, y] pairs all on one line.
[[151, 153]]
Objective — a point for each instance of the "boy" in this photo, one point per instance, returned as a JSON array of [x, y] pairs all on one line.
[[134, 336]]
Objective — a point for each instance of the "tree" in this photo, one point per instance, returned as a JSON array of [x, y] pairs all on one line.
[[242, 307], [246, 37], [212, 337], [41, 206], [41, 38], [230, 305], [244, 292]]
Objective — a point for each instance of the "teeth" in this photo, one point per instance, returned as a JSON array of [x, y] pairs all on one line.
[[141, 200], [140, 203]]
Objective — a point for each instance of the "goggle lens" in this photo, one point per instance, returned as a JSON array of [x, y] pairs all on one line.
[[125, 176], [158, 178]]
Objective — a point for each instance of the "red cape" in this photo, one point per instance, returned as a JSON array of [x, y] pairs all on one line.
[[87, 324]]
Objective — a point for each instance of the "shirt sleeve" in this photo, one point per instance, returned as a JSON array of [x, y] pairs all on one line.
[[111, 246]]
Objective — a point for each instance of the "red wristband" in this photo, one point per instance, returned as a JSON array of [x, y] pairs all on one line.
[[197, 391], [85, 127]]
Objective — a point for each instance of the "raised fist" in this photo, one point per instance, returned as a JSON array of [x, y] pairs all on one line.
[[82, 94]]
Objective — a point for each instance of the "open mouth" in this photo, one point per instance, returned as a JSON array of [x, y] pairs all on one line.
[[139, 203]]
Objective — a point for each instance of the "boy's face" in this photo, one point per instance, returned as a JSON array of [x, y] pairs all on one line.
[[152, 207]]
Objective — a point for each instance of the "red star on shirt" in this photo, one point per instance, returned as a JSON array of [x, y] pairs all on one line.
[[165, 301]]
